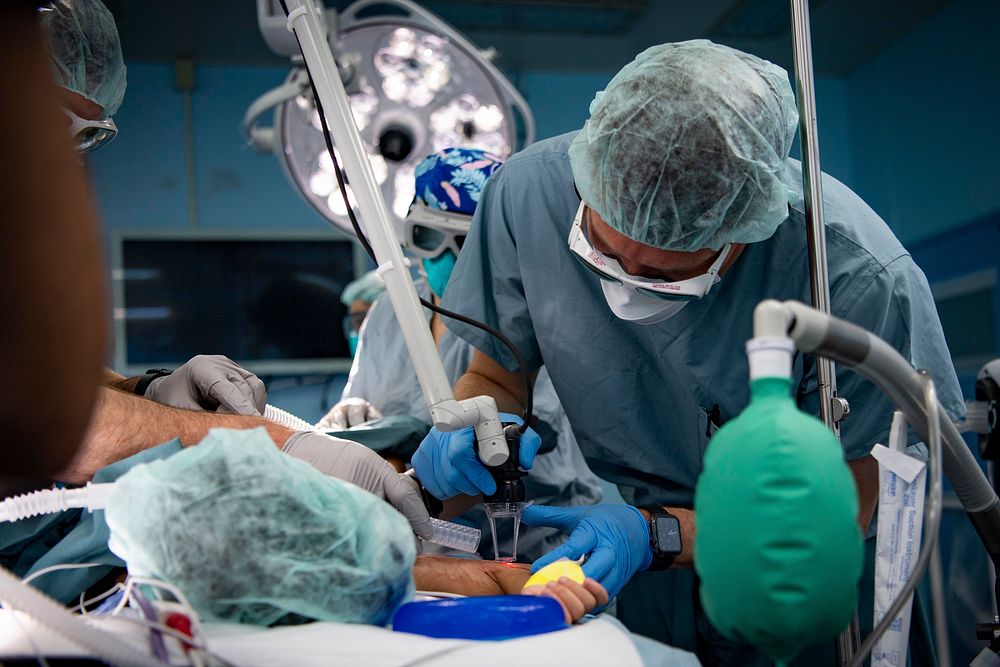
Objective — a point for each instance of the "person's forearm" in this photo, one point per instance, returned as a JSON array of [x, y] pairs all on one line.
[[687, 520], [469, 577], [486, 377], [472, 384], [124, 424]]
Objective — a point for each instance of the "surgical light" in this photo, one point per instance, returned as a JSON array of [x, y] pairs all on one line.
[[415, 86]]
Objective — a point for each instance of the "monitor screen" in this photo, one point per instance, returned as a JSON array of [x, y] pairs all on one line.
[[270, 303]]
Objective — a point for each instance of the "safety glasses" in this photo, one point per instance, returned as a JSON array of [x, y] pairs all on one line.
[[609, 269], [89, 135], [429, 232]]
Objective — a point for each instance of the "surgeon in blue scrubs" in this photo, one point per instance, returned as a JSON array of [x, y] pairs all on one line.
[[628, 258]]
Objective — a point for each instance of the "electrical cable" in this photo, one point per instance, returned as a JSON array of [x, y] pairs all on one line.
[[56, 568], [105, 645], [81, 608], [197, 640], [164, 630], [338, 171], [156, 643]]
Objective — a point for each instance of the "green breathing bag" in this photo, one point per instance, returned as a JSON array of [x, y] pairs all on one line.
[[777, 546]]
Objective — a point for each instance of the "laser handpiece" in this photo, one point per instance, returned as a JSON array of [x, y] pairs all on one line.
[[509, 499]]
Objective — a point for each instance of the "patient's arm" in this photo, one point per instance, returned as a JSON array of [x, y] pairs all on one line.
[[469, 577], [485, 577], [124, 424]]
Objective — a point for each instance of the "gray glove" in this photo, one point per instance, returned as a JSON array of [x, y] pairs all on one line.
[[347, 413], [362, 467], [213, 383]]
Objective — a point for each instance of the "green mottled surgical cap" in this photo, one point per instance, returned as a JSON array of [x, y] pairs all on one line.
[[685, 149], [85, 49]]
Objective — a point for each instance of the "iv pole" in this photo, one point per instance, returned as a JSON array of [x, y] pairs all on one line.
[[831, 407]]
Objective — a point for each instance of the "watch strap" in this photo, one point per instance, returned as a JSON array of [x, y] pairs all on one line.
[[145, 380]]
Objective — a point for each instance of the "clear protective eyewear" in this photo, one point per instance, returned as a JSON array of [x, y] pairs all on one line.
[[430, 231], [89, 135], [610, 270]]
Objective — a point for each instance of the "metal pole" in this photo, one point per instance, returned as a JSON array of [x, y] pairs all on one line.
[[850, 639], [813, 191]]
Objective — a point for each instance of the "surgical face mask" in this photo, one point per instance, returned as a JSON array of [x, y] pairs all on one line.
[[631, 306], [352, 327], [438, 270]]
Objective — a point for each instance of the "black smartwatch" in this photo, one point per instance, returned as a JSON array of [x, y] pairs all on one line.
[[145, 380], [664, 537]]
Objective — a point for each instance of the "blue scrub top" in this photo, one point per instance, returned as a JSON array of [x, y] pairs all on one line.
[[383, 374], [645, 399]]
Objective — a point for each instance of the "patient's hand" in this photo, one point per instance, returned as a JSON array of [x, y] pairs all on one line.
[[485, 577], [576, 599]]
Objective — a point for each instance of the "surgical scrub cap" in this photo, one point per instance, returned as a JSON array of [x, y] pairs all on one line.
[[366, 288], [453, 179], [685, 148], [83, 43], [253, 536]]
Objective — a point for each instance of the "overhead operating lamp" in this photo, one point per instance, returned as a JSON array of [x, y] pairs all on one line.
[[416, 86]]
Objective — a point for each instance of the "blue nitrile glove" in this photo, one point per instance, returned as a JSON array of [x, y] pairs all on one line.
[[447, 464], [615, 539]]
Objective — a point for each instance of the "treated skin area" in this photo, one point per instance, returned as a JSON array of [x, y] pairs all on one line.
[[483, 577]]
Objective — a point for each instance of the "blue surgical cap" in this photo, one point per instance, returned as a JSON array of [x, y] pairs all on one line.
[[685, 148], [84, 46], [453, 179]]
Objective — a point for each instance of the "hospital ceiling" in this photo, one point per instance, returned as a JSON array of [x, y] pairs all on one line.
[[575, 35]]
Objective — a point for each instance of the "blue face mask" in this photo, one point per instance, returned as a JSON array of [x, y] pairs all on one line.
[[352, 343], [438, 270]]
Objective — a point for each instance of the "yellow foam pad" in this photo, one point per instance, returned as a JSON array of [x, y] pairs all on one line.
[[555, 571]]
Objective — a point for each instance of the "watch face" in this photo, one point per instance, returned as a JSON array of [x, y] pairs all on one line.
[[668, 534]]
